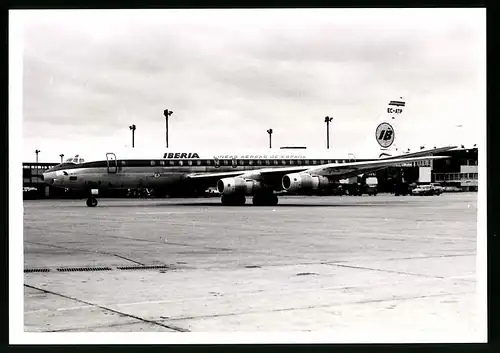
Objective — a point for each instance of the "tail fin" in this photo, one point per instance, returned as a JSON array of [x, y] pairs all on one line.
[[385, 134]]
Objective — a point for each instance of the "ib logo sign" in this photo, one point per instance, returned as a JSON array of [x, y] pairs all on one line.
[[385, 135]]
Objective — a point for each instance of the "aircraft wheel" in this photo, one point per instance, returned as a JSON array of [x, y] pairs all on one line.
[[257, 200], [265, 200], [91, 202], [241, 200], [225, 200], [233, 200]]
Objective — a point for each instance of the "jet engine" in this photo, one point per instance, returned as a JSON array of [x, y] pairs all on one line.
[[238, 185], [305, 181]]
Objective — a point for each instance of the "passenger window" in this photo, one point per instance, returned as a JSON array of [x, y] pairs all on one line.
[[242, 162], [226, 162], [314, 162], [208, 162], [190, 162], [152, 163], [198, 162], [291, 162], [250, 162], [259, 162], [306, 162], [329, 161], [275, 162], [268, 162], [171, 162], [181, 163], [162, 162]]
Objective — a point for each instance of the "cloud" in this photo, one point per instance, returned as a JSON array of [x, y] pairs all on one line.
[[230, 75]]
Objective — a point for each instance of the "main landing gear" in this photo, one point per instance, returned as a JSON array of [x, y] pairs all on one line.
[[265, 199], [260, 199], [91, 200], [233, 200]]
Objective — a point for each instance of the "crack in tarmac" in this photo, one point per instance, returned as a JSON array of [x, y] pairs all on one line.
[[170, 327], [382, 270]]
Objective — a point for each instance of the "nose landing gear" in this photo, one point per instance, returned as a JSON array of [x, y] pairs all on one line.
[[92, 201]]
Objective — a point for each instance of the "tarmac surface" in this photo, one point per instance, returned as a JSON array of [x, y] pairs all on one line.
[[338, 264]]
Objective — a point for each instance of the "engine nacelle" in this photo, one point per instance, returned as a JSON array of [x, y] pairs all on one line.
[[305, 181], [238, 185]]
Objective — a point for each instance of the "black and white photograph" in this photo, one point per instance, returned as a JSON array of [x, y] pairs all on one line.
[[247, 175]]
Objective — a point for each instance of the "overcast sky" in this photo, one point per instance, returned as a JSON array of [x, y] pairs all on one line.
[[229, 75]]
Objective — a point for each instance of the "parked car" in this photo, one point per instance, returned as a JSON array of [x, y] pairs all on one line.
[[439, 189], [426, 190]]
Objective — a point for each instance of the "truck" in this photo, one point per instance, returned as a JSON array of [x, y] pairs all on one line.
[[371, 186]]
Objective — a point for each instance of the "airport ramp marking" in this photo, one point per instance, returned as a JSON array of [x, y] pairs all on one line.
[[170, 327]]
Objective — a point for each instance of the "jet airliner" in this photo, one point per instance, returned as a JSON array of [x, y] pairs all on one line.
[[236, 175]]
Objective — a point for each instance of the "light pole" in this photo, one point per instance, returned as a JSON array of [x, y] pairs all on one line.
[[61, 155], [36, 166], [327, 121], [167, 113], [270, 132], [132, 127]]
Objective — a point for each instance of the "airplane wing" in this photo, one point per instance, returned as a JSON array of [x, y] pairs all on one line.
[[423, 153], [334, 170], [355, 168]]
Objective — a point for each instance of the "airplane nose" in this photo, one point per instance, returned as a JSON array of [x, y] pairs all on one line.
[[48, 178]]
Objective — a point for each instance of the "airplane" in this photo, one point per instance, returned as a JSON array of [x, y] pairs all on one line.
[[235, 174]]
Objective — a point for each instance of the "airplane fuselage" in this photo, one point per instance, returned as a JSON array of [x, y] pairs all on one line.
[[165, 173]]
